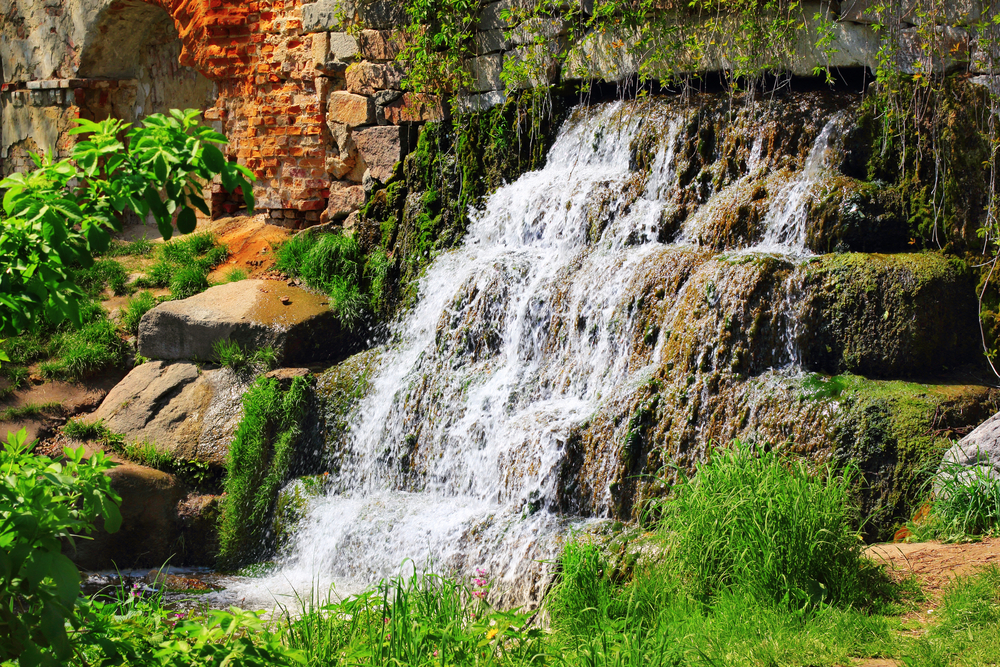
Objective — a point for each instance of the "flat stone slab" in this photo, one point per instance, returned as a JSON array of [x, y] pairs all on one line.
[[297, 324], [973, 460]]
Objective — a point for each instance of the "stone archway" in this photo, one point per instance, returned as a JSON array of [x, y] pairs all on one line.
[[132, 55]]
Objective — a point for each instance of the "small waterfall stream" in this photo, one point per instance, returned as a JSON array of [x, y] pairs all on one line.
[[517, 339]]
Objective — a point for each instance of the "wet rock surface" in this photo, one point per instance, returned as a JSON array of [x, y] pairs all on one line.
[[251, 313]]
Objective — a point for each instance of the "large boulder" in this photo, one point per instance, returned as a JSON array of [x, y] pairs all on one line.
[[297, 324], [190, 413], [975, 459], [149, 532], [162, 522]]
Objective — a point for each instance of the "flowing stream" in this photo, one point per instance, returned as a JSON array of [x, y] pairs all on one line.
[[518, 337]]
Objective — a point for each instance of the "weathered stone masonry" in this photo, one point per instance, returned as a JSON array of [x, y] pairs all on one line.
[[310, 110], [310, 114]]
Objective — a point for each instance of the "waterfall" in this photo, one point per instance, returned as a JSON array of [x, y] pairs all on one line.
[[518, 337]]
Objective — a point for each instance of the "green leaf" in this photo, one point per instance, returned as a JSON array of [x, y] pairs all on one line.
[[214, 158], [66, 577], [186, 221]]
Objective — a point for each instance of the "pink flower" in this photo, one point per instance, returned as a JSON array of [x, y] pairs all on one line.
[[479, 594]]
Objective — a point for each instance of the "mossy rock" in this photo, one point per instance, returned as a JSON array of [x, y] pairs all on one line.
[[905, 315], [853, 216]]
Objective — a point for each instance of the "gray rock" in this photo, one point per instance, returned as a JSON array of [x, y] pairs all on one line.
[[485, 72], [949, 50], [297, 324], [975, 459], [490, 41], [181, 410], [324, 15], [480, 101], [380, 148]]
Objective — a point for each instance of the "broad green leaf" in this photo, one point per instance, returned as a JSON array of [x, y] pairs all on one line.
[[186, 221]]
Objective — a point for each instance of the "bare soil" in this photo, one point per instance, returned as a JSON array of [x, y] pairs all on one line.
[[935, 564]]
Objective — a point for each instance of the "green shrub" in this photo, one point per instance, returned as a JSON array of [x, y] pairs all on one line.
[[257, 466], [335, 264], [44, 504], [966, 503], [105, 273], [188, 281], [423, 619], [138, 248], [762, 526], [137, 306], [184, 250], [159, 275], [29, 411]]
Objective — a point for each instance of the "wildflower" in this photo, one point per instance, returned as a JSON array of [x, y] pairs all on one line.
[[479, 594], [435, 654], [492, 633]]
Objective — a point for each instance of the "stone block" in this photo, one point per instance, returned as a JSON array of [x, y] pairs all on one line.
[[916, 12], [189, 413], [531, 30], [414, 108], [344, 199], [350, 109], [940, 50], [325, 15], [250, 312], [380, 44], [380, 148], [344, 46], [485, 72], [974, 460], [481, 101], [490, 41], [367, 78], [339, 167]]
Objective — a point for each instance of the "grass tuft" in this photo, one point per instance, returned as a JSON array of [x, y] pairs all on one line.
[[188, 281], [244, 363], [137, 306]]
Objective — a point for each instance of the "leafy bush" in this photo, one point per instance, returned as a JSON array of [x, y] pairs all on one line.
[[423, 619], [106, 273], [257, 466], [142, 631], [236, 275], [966, 503], [137, 306], [42, 504], [188, 281], [58, 216], [755, 524], [138, 248]]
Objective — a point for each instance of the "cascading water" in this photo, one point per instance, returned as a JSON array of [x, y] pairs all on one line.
[[454, 455]]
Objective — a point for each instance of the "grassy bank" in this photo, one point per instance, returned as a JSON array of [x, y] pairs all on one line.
[[755, 561]]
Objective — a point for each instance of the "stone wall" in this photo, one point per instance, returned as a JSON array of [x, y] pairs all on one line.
[[314, 111]]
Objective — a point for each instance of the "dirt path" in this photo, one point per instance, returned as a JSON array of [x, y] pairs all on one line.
[[935, 564]]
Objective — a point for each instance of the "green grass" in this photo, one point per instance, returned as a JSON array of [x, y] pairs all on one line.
[[132, 312], [964, 504], [757, 524], [183, 265], [138, 248], [187, 282], [78, 354], [257, 467], [30, 411], [335, 264], [236, 275], [244, 363], [104, 274]]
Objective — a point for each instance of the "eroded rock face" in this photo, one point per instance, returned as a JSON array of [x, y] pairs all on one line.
[[297, 324], [179, 408]]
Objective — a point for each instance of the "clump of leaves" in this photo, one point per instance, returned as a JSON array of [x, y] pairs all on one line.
[[243, 362], [44, 503], [188, 281]]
